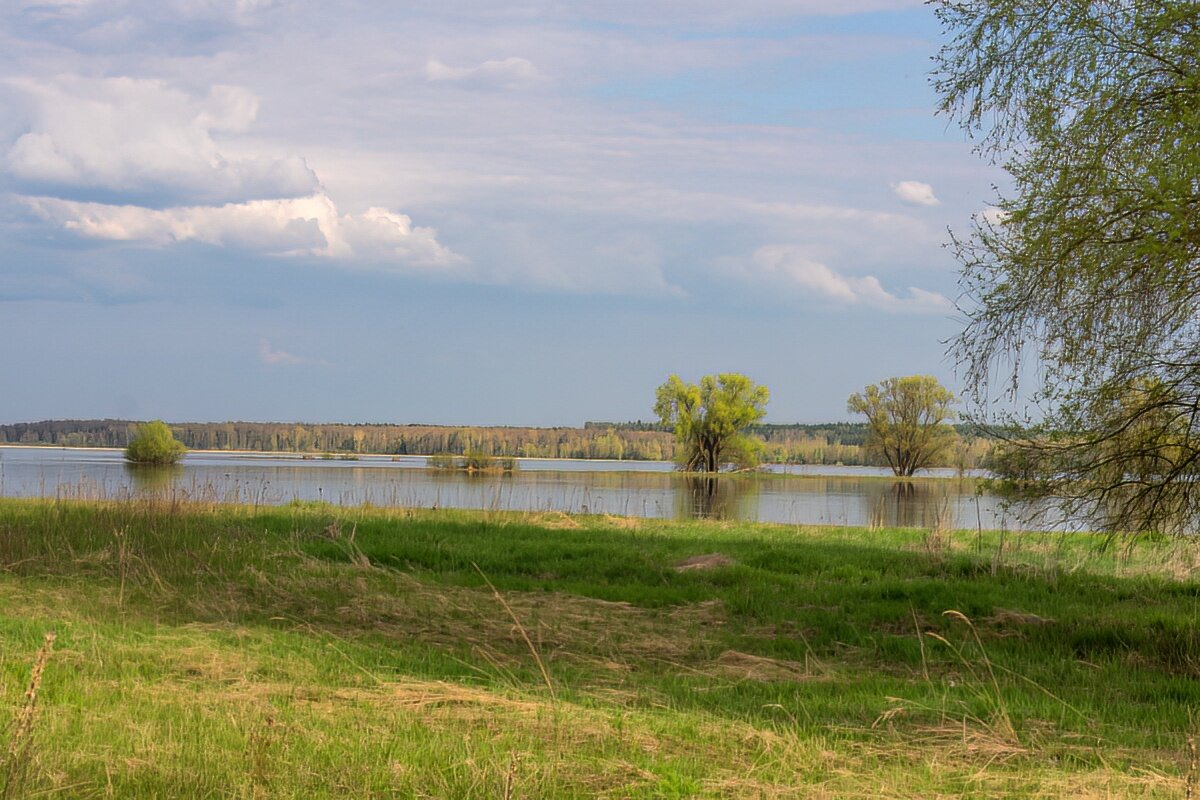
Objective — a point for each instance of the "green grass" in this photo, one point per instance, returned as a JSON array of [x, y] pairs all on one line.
[[312, 651]]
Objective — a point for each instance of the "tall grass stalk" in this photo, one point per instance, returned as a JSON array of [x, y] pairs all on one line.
[[18, 753], [521, 629], [1002, 723]]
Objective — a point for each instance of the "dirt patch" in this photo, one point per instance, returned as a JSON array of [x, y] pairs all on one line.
[[707, 561]]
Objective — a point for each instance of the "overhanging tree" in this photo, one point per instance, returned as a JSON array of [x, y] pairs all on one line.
[[710, 419], [907, 418], [1089, 266]]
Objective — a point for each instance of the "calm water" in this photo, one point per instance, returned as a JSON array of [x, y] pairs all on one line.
[[798, 495]]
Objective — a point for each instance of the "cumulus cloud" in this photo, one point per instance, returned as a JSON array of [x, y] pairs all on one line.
[[143, 141], [307, 226], [786, 266], [508, 73], [916, 193]]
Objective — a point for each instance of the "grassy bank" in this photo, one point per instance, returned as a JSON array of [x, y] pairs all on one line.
[[313, 651]]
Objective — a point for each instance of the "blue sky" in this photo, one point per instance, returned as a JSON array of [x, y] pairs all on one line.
[[524, 213]]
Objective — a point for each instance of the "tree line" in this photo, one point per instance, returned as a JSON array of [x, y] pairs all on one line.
[[832, 443], [272, 437]]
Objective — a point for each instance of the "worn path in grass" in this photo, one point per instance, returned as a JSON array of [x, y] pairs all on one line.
[[313, 651]]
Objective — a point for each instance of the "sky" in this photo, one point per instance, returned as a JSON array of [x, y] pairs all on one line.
[[476, 212]]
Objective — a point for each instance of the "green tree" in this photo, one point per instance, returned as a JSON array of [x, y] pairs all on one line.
[[908, 421], [154, 444], [1089, 267], [710, 420]]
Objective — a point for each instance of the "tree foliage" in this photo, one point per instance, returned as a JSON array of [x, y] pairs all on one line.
[[1089, 267], [908, 419], [710, 420], [154, 444]]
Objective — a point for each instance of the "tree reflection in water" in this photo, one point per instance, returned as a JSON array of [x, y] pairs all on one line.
[[153, 480], [713, 497], [908, 504]]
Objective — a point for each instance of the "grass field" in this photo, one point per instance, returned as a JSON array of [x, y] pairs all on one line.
[[311, 651]]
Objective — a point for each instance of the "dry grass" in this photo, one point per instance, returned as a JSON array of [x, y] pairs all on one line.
[[749, 667], [707, 561], [555, 520], [1015, 620]]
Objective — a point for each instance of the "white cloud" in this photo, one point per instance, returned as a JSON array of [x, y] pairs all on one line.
[[916, 193], [145, 140], [306, 226], [787, 267], [508, 73], [268, 354]]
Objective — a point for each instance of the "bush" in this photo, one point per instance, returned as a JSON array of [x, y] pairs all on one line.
[[472, 461], [154, 444]]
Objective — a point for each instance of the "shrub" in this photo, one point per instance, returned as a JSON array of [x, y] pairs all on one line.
[[154, 444]]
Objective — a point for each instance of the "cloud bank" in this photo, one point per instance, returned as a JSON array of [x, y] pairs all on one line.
[[307, 226], [555, 148], [132, 160]]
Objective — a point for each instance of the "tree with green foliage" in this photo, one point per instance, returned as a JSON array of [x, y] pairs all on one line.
[[710, 420], [154, 444], [1089, 267], [908, 420]]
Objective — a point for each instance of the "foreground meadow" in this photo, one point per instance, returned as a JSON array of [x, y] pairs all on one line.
[[314, 651]]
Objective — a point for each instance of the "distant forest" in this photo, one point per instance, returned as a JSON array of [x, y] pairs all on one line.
[[832, 443]]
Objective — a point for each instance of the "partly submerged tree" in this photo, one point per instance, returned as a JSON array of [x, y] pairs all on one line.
[[711, 418], [155, 445], [1090, 266], [908, 421]]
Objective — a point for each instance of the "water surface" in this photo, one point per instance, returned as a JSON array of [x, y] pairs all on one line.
[[794, 495]]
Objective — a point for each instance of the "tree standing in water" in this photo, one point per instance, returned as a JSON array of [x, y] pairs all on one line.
[[711, 419], [908, 419]]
